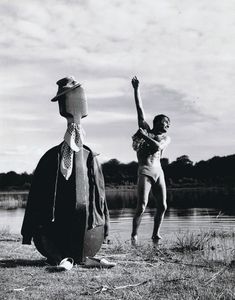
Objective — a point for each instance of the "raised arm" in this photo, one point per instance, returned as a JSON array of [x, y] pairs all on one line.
[[139, 106]]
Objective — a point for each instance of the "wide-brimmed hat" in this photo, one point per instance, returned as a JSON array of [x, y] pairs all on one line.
[[64, 86]]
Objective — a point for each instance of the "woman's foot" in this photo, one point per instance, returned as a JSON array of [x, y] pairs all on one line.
[[134, 239], [156, 238]]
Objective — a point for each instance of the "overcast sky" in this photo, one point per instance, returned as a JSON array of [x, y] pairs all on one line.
[[183, 53]]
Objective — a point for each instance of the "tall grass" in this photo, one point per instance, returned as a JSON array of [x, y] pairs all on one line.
[[191, 241], [212, 245]]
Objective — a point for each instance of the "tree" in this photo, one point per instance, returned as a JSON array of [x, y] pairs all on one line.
[[184, 160], [182, 167], [111, 171]]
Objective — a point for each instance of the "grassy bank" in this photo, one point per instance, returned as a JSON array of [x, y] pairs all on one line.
[[189, 266]]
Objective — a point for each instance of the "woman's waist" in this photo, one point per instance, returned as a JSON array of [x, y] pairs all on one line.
[[150, 160], [148, 166]]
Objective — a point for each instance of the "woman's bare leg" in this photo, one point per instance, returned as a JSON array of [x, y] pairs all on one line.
[[159, 192], [143, 189]]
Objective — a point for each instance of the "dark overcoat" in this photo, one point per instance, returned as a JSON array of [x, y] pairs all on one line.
[[52, 199]]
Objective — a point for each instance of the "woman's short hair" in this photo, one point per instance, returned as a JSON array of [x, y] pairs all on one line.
[[158, 118]]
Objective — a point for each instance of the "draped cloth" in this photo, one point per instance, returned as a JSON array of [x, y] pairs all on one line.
[[49, 185], [73, 142]]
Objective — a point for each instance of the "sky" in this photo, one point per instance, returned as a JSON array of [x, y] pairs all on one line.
[[183, 53]]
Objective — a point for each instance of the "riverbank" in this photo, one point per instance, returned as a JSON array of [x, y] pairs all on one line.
[[188, 266], [119, 197], [134, 187], [4, 194]]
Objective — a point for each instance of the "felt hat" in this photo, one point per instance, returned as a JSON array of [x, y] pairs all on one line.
[[65, 85]]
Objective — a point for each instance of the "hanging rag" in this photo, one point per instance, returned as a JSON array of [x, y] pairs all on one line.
[[73, 141]]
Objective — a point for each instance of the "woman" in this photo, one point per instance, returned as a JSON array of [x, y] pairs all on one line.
[[149, 145]]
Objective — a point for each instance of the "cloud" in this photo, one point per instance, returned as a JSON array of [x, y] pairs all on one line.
[[105, 117], [183, 53]]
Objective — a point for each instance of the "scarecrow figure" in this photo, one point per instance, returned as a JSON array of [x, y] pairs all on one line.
[[66, 213]]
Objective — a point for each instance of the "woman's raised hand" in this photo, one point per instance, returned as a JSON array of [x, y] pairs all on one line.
[[135, 82]]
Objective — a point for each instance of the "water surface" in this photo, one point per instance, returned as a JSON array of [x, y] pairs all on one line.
[[12, 207]]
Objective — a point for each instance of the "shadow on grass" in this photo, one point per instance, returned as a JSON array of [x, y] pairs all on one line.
[[13, 263]]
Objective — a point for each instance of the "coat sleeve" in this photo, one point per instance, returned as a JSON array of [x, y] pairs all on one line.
[[98, 210], [40, 199], [31, 218]]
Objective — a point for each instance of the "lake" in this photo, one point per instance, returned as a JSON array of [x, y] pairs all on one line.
[[188, 209]]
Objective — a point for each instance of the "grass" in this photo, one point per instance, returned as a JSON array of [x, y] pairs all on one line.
[[192, 266], [189, 241]]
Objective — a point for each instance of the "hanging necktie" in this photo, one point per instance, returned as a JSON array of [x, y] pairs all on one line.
[[73, 141]]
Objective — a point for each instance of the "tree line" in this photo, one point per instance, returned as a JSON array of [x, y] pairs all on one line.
[[217, 171]]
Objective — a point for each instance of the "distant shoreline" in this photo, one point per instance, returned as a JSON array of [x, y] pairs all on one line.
[[119, 197], [133, 187]]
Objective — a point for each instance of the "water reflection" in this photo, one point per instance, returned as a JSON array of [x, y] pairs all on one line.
[[178, 198], [201, 197], [13, 200]]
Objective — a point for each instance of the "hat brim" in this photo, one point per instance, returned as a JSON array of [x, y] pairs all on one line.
[[65, 92]]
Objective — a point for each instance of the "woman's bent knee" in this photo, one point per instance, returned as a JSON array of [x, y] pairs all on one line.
[[140, 210], [162, 207]]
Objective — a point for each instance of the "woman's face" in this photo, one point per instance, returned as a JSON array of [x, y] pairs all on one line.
[[162, 125]]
